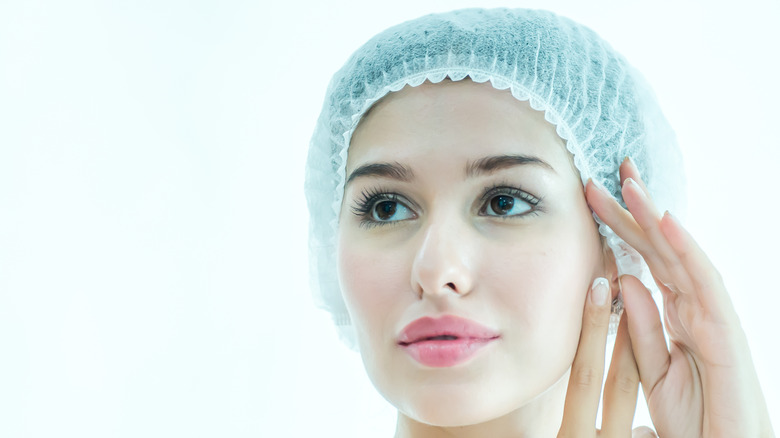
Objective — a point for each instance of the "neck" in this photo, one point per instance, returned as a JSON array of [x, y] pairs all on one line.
[[541, 417]]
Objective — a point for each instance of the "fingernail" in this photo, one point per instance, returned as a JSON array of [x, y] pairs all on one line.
[[599, 291], [636, 185], [633, 164], [599, 186]]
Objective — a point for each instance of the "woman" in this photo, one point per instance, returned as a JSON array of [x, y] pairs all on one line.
[[454, 245]]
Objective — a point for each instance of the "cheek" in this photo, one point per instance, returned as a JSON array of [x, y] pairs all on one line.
[[542, 281], [372, 283]]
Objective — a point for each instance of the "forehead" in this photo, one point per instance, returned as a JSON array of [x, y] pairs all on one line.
[[453, 119]]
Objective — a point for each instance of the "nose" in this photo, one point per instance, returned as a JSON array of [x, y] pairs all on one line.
[[443, 263]]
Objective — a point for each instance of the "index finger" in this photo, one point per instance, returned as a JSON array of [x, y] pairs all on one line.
[[587, 370]]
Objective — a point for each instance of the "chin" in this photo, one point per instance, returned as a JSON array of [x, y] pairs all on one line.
[[467, 400], [459, 410], [485, 389]]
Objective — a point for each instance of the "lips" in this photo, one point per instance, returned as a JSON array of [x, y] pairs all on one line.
[[446, 341]]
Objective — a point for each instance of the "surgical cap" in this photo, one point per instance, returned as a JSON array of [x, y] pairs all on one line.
[[601, 107]]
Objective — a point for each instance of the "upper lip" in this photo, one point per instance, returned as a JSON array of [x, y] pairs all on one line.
[[447, 325]]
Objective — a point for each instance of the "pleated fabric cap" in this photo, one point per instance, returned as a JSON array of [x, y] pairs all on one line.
[[601, 107]]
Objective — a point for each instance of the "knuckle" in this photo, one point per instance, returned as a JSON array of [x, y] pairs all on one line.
[[586, 377], [624, 382], [709, 281]]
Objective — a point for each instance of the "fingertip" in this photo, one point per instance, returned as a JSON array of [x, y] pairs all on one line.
[[633, 185], [668, 216], [598, 197], [628, 168], [672, 220], [624, 168], [631, 163], [599, 292], [595, 184], [629, 284], [594, 194], [673, 230], [631, 192], [626, 277], [596, 313], [643, 432], [588, 186]]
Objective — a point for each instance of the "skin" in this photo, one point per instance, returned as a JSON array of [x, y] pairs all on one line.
[[446, 248], [705, 383]]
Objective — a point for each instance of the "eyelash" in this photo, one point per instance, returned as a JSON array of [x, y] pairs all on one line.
[[505, 189], [370, 197]]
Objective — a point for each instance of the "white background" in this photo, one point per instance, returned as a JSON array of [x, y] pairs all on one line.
[[153, 275]]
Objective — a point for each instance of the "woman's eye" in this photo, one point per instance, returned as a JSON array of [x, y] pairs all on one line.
[[389, 211], [506, 205], [378, 207]]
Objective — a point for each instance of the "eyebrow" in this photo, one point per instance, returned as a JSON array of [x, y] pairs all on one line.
[[494, 163], [387, 170], [479, 167]]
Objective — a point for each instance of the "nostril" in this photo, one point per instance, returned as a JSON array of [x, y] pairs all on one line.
[[452, 286]]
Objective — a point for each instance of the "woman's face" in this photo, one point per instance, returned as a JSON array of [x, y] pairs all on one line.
[[461, 201]]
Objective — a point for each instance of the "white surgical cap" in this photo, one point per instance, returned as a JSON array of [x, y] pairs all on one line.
[[601, 107]]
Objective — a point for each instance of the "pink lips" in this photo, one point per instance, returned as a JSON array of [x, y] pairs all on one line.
[[445, 341]]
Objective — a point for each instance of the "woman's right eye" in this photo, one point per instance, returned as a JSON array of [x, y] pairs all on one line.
[[381, 208], [388, 211]]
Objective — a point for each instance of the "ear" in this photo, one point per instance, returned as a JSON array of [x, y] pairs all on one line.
[[610, 270]]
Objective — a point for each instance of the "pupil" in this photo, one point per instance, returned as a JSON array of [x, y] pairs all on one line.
[[502, 204], [385, 210]]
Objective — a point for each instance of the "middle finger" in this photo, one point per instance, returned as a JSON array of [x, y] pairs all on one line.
[[653, 247], [662, 259], [621, 388]]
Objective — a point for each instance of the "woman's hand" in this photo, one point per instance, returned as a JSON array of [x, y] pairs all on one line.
[[704, 384], [587, 372]]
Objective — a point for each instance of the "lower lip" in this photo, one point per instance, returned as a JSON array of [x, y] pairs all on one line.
[[441, 353]]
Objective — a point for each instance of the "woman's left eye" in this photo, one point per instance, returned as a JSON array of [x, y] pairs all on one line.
[[508, 202]]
